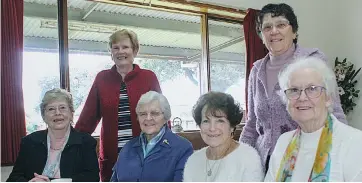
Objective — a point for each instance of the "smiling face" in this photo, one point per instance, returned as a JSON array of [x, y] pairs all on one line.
[[215, 129], [277, 34], [306, 109], [57, 114], [122, 52], [151, 118]]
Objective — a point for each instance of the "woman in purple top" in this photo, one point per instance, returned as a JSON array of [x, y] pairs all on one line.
[[267, 116]]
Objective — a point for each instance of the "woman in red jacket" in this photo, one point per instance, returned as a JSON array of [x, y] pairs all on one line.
[[113, 98]]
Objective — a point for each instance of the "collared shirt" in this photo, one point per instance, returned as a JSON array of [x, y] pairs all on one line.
[[148, 146]]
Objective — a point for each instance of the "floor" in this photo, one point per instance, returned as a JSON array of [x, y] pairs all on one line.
[[5, 172]]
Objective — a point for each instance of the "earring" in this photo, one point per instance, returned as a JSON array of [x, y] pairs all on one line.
[[233, 132]]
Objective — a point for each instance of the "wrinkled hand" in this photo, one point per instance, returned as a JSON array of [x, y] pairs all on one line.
[[39, 178]]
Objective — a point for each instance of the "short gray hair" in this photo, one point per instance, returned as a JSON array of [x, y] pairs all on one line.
[[314, 63], [154, 96], [56, 94]]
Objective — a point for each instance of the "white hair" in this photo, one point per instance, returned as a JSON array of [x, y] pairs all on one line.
[[314, 63], [154, 96]]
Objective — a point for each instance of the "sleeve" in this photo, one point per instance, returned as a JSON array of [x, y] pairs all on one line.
[[114, 177], [337, 107], [90, 172], [254, 172], [155, 85], [353, 171], [180, 166], [249, 133], [269, 177], [90, 115], [188, 171], [277, 156], [18, 172]]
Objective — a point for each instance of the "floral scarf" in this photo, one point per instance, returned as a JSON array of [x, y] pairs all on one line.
[[322, 162]]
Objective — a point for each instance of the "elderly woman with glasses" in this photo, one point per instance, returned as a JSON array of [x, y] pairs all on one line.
[[321, 149], [59, 151], [267, 118], [157, 155]]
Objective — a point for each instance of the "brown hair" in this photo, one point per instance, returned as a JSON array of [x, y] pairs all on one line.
[[218, 101]]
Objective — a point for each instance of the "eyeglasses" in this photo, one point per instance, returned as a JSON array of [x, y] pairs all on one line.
[[53, 109], [280, 25], [311, 92], [153, 114]]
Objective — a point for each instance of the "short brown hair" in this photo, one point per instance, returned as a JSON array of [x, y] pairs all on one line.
[[218, 101], [124, 33]]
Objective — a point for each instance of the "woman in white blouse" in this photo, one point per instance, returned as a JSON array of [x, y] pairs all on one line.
[[224, 159], [322, 149]]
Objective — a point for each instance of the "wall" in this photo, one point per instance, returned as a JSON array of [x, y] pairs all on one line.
[[351, 48], [335, 29]]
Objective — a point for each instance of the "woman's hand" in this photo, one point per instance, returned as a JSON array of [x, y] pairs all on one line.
[[39, 178]]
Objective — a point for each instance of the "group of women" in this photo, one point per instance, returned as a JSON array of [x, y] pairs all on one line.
[[295, 129]]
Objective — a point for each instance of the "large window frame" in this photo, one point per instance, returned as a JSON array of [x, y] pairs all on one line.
[[214, 13]]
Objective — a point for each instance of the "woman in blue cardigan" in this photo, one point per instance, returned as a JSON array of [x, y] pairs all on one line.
[[157, 155]]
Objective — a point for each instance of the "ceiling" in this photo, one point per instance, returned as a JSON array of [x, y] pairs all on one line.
[[160, 33], [240, 4]]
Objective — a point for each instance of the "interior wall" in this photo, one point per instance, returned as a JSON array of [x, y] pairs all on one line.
[[335, 29]]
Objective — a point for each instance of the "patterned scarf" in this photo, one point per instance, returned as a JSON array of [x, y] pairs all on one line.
[[322, 162]]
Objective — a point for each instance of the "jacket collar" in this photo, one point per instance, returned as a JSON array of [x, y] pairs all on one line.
[[74, 137], [166, 140], [130, 75]]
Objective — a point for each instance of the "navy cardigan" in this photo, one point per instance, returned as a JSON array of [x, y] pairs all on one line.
[[165, 162]]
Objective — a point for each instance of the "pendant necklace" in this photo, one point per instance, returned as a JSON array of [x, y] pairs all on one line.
[[209, 171]]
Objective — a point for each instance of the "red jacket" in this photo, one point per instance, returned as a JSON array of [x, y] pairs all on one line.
[[102, 102]]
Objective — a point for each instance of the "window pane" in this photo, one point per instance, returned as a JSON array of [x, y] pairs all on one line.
[[40, 74], [170, 46], [228, 60], [40, 59], [83, 68], [180, 84]]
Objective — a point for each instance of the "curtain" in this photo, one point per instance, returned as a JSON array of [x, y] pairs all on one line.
[[255, 48], [12, 103]]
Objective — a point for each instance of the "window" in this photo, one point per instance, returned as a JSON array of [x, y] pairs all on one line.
[[227, 60], [40, 74], [170, 46], [180, 84], [40, 62]]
